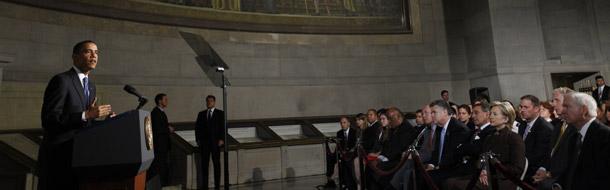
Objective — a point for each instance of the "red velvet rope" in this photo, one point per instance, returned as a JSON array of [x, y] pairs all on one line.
[[512, 177], [379, 171], [328, 147], [504, 171], [424, 172], [343, 157]]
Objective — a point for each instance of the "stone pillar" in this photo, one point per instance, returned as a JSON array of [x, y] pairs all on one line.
[[519, 48]]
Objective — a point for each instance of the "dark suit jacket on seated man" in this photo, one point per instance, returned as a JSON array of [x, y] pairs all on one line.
[[209, 133], [347, 139], [556, 165], [69, 104], [589, 163], [401, 135], [536, 133]]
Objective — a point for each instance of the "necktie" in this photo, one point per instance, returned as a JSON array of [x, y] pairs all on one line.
[[579, 143], [600, 92], [563, 129], [441, 135], [476, 132], [430, 140], [527, 130], [86, 84], [210, 114]]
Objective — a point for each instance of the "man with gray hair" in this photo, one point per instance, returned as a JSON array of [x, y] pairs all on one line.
[[450, 133], [555, 166], [589, 164]]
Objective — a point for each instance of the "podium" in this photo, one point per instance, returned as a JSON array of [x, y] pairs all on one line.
[[115, 153]]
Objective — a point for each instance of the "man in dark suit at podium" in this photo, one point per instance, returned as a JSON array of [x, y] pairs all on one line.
[[209, 133], [69, 104], [161, 130]]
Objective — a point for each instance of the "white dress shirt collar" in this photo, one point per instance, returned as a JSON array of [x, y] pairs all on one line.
[[81, 75], [585, 128]]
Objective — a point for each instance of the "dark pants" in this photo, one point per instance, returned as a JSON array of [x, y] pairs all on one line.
[[159, 167], [206, 150], [331, 160]]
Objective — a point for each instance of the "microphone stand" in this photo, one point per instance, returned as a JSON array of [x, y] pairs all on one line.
[[226, 143], [142, 101]]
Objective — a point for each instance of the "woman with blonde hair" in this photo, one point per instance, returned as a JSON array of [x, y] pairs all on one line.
[[508, 147]]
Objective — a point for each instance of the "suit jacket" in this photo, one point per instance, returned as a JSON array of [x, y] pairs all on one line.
[[63, 105], [538, 144], [604, 97], [351, 140], [369, 137], [471, 147], [210, 131], [160, 130], [455, 134], [556, 164], [398, 141], [509, 149], [591, 168], [425, 141]]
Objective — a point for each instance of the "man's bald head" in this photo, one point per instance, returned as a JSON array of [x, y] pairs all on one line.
[[395, 116]]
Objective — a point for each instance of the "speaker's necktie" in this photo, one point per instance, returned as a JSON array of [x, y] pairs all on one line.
[[86, 84]]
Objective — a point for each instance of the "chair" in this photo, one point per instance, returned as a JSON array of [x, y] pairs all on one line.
[[523, 174]]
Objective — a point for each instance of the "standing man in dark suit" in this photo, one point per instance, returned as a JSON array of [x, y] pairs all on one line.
[[536, 133], [450, 132], [69, 104], [601, 93], [445, 97], [555, 166], [162, 145], [589, 167], [347, 139], [209, 133]]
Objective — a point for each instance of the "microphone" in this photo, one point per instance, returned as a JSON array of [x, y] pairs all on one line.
[[131, 90]]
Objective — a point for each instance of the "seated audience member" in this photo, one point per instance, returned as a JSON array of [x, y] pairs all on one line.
[[367, 138], [546, 111], [606, 119], [589, 163], [402, 177], [450, 133], [464, 115], [508, 147], [471, 147], [518, 119], [536, 133], [347, 140], [419, 120], [555, 166], [401, 135]]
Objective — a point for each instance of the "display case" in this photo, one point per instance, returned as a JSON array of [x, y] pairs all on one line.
[[295, 131], [252, 134], [327, 126]]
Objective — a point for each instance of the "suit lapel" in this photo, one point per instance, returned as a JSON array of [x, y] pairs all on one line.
[[79, 88]]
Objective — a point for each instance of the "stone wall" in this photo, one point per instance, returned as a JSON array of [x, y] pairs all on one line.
[[272, 75]]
